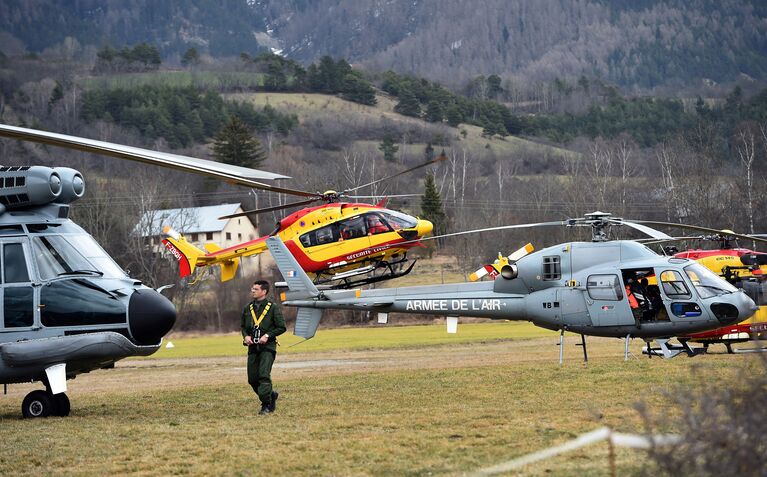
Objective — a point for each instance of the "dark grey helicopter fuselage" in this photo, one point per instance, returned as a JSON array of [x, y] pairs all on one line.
[[578, 287], [64, 300]]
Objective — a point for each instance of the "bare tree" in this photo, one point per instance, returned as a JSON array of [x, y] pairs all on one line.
[[746, 147]]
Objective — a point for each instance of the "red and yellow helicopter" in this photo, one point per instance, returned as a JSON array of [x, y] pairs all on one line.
[[338, 243]]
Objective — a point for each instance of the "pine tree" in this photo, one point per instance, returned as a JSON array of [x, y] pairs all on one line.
[[435, 112], [454, 115], [388, 147], [191, 57], [428, 152], [431, 206], [235, 145], [408, 104], [357, 89]]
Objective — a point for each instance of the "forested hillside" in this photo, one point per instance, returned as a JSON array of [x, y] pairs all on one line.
[[629, 42], [636, 44], [519, 148], [224, 27]]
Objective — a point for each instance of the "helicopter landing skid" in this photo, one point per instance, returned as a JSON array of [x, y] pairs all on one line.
[[668, 351], [346, 280]]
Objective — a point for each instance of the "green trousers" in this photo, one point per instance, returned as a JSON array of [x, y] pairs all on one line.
[[260, 374]]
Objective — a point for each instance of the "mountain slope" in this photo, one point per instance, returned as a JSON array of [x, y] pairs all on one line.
[[629, 42]]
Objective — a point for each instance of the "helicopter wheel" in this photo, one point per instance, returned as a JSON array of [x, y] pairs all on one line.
[[38, 404], [61, 404]]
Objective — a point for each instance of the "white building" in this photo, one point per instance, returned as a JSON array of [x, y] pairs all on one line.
[[201, 225]]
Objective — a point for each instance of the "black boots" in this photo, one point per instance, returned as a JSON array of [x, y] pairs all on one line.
[[271, 406]]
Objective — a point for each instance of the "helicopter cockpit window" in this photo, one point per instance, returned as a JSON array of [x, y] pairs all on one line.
[[706, 283], [327, 234], [352, 228], [398, 220], [604, 287], [11, 230], [14, 265], [551, 268], [62, 228], [375, 224], [96, 255], [673, 285], [55, 256]]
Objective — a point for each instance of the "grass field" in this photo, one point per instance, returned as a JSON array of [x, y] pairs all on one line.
[[306, 105], [355, 402]]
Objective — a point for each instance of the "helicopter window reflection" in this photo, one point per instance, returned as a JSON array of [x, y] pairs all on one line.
[[399, 220], [17, 307], [604, 287], [375, 224], [11, 230], [673, 284], [327, 234], [96, 255], [706, 283], [56, 256], [352, 228], [14, 264]]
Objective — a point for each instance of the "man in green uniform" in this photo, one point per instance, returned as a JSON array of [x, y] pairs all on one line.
[[261, 324]]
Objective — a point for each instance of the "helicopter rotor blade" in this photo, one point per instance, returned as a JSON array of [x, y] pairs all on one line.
[[653, 241], [229, 173], [705, 229], [656, 234], [427, 163], [490, 229], [382, 196], [269, 209]]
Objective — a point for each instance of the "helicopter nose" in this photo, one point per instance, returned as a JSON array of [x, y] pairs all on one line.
[[730, 313], [424, 227], [150, 316]]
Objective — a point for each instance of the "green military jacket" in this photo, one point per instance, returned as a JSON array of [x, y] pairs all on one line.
[[273, 324]]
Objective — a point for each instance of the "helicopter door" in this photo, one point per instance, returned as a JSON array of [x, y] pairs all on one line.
[[605, 301], [18, 294], [338, 242]]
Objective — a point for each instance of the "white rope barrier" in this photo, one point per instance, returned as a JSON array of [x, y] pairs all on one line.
[[633, 441]]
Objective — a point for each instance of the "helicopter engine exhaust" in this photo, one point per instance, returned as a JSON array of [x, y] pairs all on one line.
[[31, 186], [73, 185]]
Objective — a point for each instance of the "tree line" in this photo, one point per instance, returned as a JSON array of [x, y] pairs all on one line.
[[180, 115]]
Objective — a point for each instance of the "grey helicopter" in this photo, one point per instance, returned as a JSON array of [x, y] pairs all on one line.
[[68, 308], [579, 287]]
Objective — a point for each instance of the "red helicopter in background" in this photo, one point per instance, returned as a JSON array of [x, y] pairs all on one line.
[[339, 243]]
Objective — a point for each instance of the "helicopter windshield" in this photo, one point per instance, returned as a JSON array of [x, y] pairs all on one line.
[[706, 282], [399, 220], [58, 255]]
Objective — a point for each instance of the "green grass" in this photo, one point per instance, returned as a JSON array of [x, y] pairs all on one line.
[[368, 338], [415, 419]]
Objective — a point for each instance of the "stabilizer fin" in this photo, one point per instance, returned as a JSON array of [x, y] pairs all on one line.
[[229, 269], [307, 321], [186, 253], [211, 247]]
